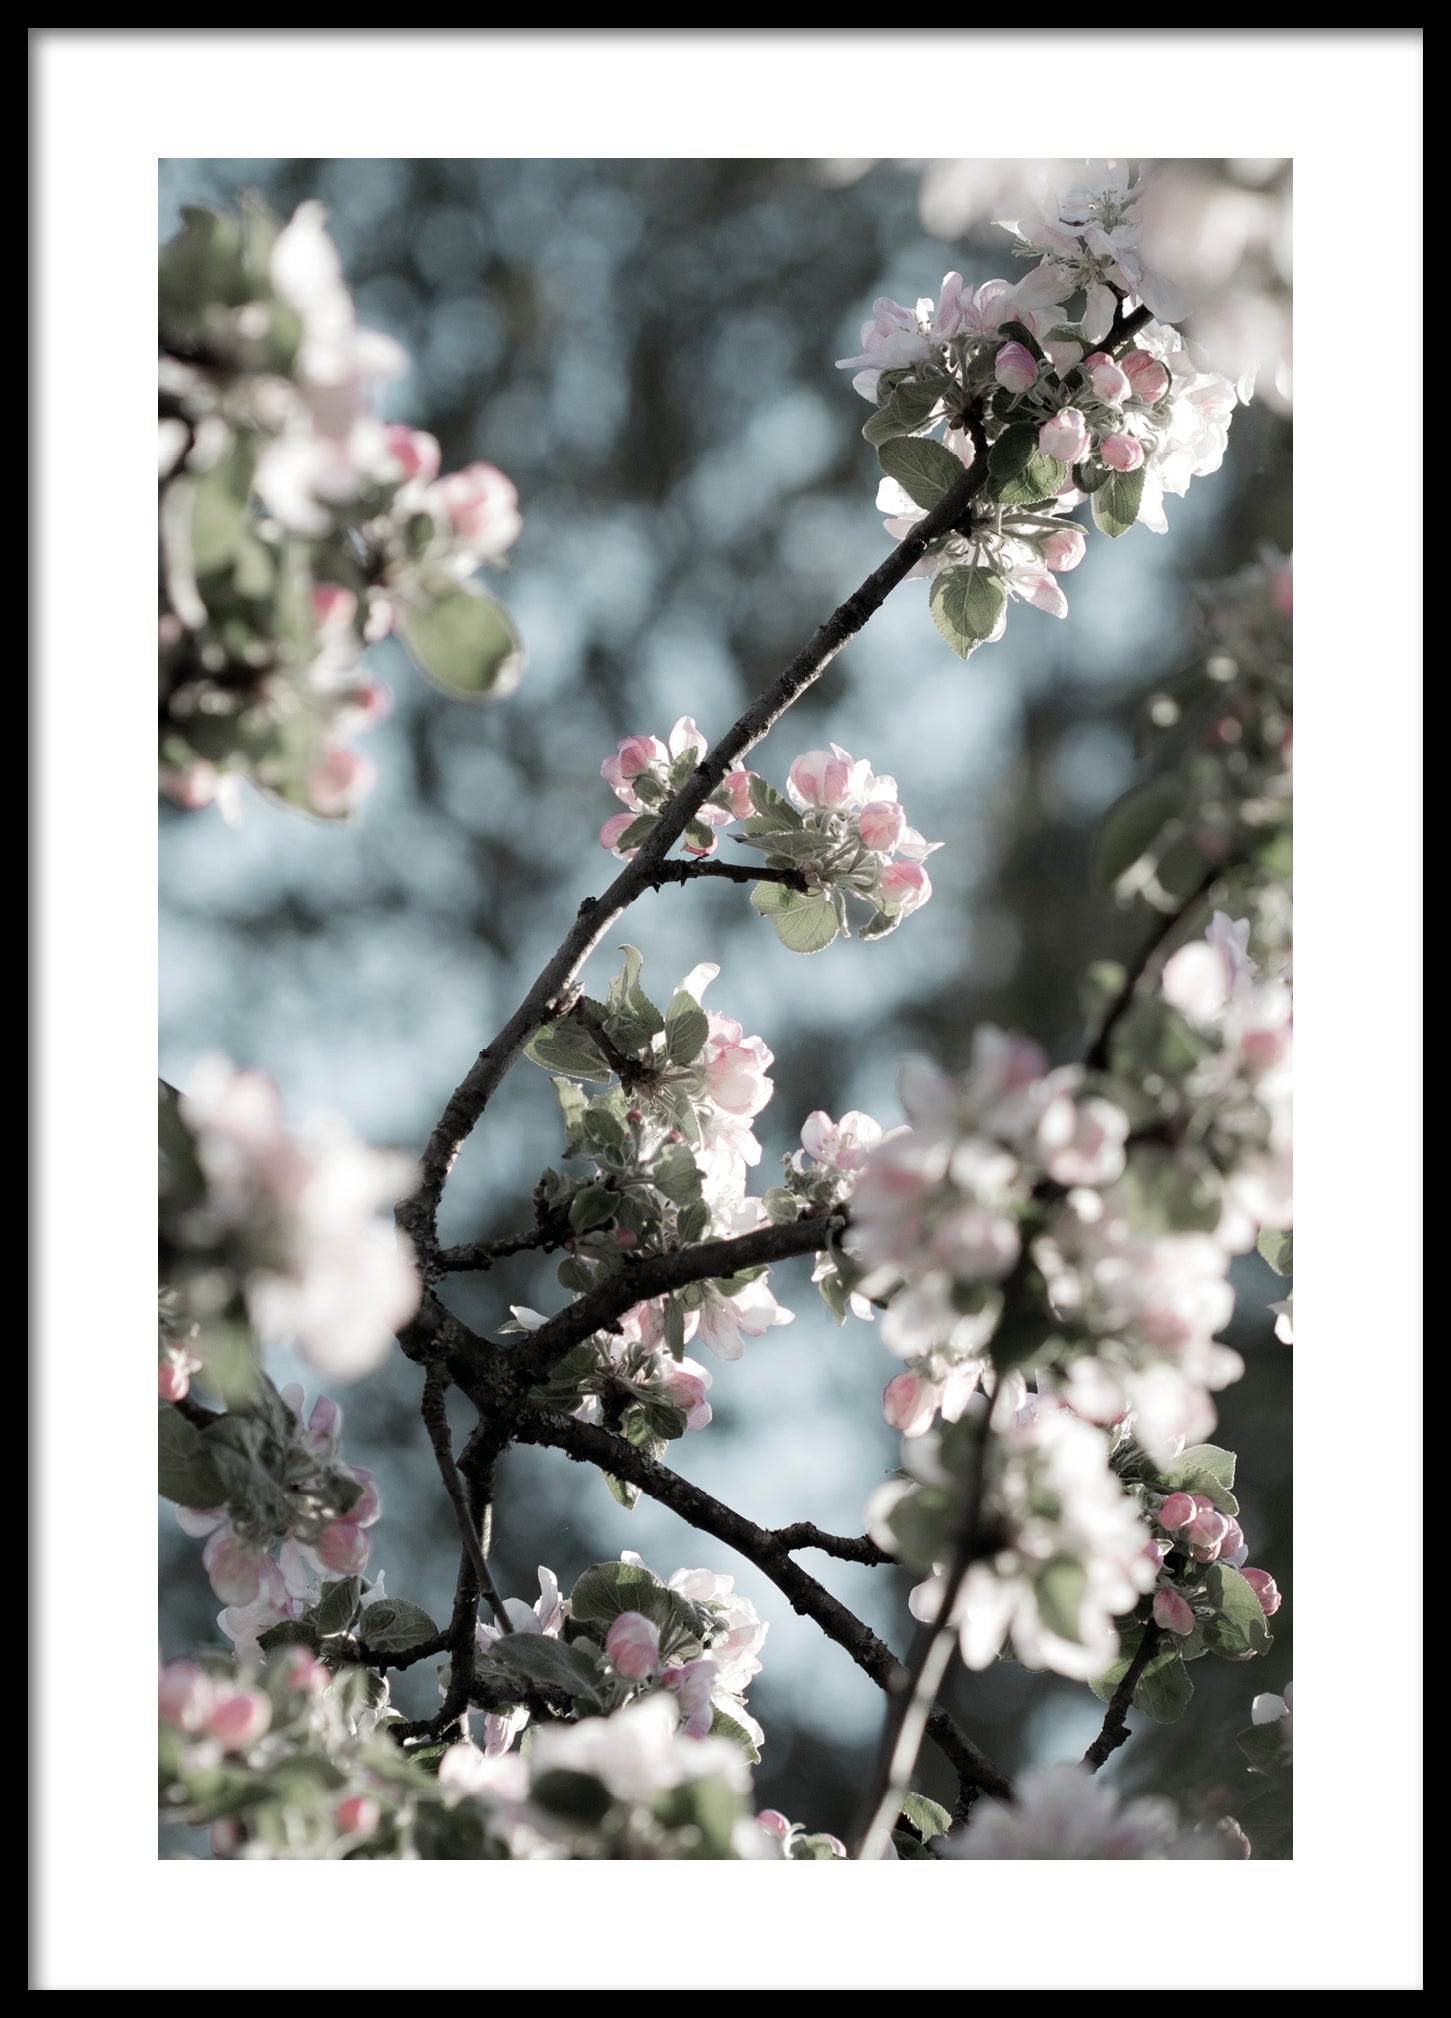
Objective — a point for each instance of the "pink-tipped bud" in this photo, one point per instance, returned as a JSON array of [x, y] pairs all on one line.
[[1173, 1612], [882, 825], [239, 1718], [1176, 1512], [1121, 451], [1148, 380], [737, 787], [635, 754], [1063, 549], [1205, 1535], [172, 1380], [416, 453], [820, 779], [186, 1696], [626, 1236], [1234, 1548], [1109, 383], [686, 1391], [633, 1645], [774, 1823], [1065, 437], [359, 1815], [1265, 1589], [1015, 367], [904, 886]]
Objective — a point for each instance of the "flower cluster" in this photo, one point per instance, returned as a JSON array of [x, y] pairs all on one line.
[[296, 526], [838, 832], [1048, 409], [1195, 1532], [645, 775], [269, 1481], [1063, 1812], [621, 1634], [273, 1234]]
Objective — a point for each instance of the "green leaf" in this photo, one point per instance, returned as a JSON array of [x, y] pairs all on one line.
[[608, 1589], [564, 1046], [1204, 1468], [686, 1029], [1018, 472], [1278, 1250], [621, 1490], [1264, 1746], [921, 1524], [576, 1798], [334, 1610], [925, 470], [774, 812], [539, 1662], [650, 1425], [908, 409], [693, 1223], [908, 1847], [219, 513], [638, 832], [1133, 824], [1019, 332], [967, 606], [185, 1472], [803, 924], [1116, 502], [291, 1633], [684, 766], [1238, 1626], [708, 1809], [633, 1017], [573, 1100], [594, 1206], [722, 1726], [1060, 1592], [465, 642], [676, 1174], [1163, 1690], [926, 1817], [392, 1625]]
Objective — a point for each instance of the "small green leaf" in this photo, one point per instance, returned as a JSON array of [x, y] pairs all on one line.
[[540, 1662], [564, 1046], [334, 1610], [774, 812], [1278, 1250], [926, 1817], [722, 1726], [1203, 1468], [967, 607], [465, 642], [686, 1029], [576, 1798], [290, 1633], [1116, 502], [1133, 824], [909, 408], [1264, 1746], [1018, 472], [185, 1471], [925, 470], [392, 1625], [1163, 1690], [594, 1206], [1238, 1626], [803, 924], [676, 1174]]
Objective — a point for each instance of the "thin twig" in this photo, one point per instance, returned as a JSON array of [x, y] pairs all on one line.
[[1097, 1055], [588, 1444], [729, 872], [1115, 1731], [435, 1420]]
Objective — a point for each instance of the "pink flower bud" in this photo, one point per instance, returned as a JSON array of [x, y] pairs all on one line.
[[1015, 367], [881, 825], [1176, 1512], [633, 1645], [909, 1403], [904, 886], [1121, 451], [359, 1815], [686, 1391], [339, 780], [738, 785], [172, 1380], [1109, 383], [1265, 1589], [1063, 549], [186, 1696], [1205, 1535], [626, 1236], [1148, 380], [482, 506], [1234, 1548], [635, 754], [342, 1548], [1065, 437], [820, 779], [416, 453], [1172, 1611], [234, 1566], [774, 1823], [239, 1718], [333, 608]]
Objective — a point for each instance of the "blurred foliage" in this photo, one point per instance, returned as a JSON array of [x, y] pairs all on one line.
[[646, 348]]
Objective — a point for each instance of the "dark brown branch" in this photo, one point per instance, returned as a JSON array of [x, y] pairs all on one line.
[[1115, 1731], [348, 1652], [729, 872], [656, 1275], [587, 1444], [1097, 1055], [476, 1256], [418, 1214], [1124, 328], [435, 1421], [847, 1548]]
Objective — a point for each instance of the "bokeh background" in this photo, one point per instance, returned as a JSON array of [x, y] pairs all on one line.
[[646, 348]]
